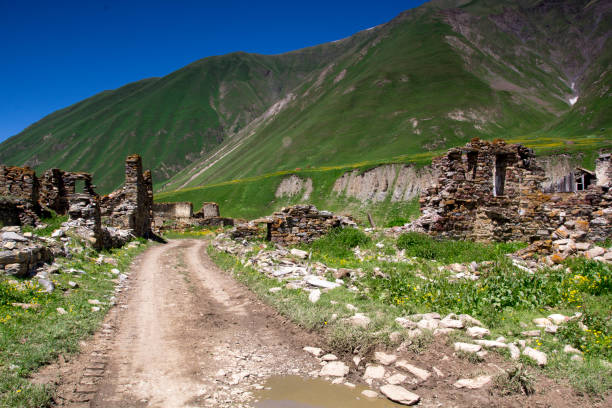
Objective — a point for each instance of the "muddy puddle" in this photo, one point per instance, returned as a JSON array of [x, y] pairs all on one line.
[[298, 392]]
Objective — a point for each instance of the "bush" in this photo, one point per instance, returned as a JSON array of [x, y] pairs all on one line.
[[339, 242], [396, 222]]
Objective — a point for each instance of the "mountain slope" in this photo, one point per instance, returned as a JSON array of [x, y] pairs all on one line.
[[433, 77]]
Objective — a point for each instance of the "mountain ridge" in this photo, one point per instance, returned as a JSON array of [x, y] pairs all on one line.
[[430, 78]]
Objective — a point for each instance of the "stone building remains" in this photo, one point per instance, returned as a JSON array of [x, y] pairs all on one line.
[[24, 198], [492, 191], [292, 225], [131, 207]]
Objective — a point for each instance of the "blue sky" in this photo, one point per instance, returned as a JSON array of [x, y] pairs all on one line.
[[56, 53]]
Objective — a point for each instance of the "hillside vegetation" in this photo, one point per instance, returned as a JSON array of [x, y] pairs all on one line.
[[432, 78]]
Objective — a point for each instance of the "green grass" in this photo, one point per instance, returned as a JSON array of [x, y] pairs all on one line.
[[450, 251], [505, 298], [34, 337], [52, 223]]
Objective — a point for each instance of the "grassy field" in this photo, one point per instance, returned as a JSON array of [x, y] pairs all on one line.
[[504, 298], [34, 336]]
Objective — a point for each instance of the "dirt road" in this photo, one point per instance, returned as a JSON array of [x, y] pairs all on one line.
[[187, 335]]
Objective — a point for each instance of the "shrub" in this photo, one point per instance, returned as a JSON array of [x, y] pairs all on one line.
[[396, 222], [514, 381], [339, 242]]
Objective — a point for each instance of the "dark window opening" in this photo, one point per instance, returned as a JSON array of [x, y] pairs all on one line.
[[472, 159], [501, 162]]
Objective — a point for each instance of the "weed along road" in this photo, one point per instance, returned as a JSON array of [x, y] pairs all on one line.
[[186, 334]]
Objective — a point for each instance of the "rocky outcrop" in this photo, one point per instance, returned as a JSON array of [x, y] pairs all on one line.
[[294, 185], [400, 182]]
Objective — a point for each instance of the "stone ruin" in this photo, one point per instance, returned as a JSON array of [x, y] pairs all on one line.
[[179, 216], [131, 207], [292, 225], [491, 191], [24, 198]]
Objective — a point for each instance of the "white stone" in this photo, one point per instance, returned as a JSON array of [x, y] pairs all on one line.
[[115, 271], [61, 311], [399, 394], [396, 379], [405, 322], [314, 296], [473, 383], [491, 343], [384, 358], [350, 385], [467, 347], [351, 307], [515, 353], [274, 290], [329, 357], [95, 309], [477, 332], [428, 324], [469, 320], [571, 350], [451, 323], [558, 318], [542, 322], [441, 331], [552, 329], [356, 360], [319, 282], [531, 333], [420, 373], [374, 372], [369, 394], [315, 351], [536, 355], [437, 371], [299, 253], [595, 252], [334, 369], [576, 357], [359, 320], [93, 301]]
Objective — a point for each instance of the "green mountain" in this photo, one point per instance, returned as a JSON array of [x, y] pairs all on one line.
[[536, 71]]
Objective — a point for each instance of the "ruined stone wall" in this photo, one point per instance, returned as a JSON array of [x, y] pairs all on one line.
[[131, 207], [173, 210], [292, 225], [603, 170], [208, 210], [492, 191], [19, 182], [57, 185]]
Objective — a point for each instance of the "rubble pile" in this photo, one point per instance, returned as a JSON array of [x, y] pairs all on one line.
[[179, 216], [21, 254], [291, 266], [293, 225]]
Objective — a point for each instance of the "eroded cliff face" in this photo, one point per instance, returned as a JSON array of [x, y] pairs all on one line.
[[400, 181], [294, 185]]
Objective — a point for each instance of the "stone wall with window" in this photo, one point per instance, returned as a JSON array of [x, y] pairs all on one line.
[[492, 191]]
